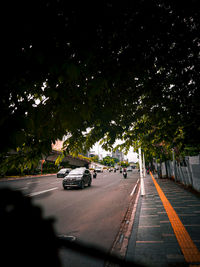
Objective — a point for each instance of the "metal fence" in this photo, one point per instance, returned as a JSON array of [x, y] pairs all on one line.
[[186, 172]]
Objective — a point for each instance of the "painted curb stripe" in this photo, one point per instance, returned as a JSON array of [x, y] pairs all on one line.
[[133, 191], [189, 249]]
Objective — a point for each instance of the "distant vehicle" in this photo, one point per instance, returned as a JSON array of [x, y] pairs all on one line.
[[95, 174], [63, 172], [98, 169], [129, 169], [78, 177], [125, 173]]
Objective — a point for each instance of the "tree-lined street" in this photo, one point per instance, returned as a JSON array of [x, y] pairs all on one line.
[[99, 73], [92, 215], [87, 72]]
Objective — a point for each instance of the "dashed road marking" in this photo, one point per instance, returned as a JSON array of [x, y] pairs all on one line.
[[22, 188], [41, 192], [56, 182]]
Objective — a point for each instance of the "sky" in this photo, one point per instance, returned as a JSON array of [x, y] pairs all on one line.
[[131, 156]]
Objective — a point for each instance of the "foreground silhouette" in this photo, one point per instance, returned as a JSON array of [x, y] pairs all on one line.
[[28, 239]]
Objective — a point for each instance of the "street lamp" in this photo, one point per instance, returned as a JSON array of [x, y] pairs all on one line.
[[144, 169], [141, 173], [140, 163]]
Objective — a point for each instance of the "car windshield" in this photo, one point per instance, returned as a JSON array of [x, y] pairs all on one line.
[[76, 172], [62, 170]]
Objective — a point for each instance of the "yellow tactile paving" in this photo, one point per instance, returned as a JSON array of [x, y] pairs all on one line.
[[189, 249]]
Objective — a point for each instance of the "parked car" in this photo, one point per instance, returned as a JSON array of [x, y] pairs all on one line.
[[98, 169], [78, 177], [63, 172]]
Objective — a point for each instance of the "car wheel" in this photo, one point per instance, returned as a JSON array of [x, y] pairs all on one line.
[[89, 184], [82, 185], [65, 187]]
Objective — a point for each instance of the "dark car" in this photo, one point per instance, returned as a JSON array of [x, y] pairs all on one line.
[[78, 177], [63, 172]]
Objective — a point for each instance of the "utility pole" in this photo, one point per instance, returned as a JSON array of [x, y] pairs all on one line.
[[144, 169], [141, 173], [174, 165], [140, 163]]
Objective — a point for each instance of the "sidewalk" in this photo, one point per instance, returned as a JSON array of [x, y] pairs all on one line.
[[166, 229]]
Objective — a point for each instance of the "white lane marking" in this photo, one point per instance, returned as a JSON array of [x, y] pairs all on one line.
[[134, 188], [22, 188], [55, 182], [41, 192]]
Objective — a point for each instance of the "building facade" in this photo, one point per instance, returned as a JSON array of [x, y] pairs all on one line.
[[118, 154]]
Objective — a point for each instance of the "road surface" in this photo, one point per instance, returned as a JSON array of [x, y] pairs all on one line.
[[92, 215]]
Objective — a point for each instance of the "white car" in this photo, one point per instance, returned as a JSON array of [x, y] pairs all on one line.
[[98, 169]]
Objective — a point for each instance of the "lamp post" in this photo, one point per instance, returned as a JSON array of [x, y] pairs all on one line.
[[144, 169], [141, 173], [140, 163]]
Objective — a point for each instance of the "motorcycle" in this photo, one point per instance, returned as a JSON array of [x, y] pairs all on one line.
[[125, 175], [94, 175]]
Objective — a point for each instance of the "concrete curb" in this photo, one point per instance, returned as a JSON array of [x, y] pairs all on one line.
[[121, 242], [12, 178], [127, 235]]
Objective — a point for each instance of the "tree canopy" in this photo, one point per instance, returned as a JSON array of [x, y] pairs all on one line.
[[109, 161], [126, 70]]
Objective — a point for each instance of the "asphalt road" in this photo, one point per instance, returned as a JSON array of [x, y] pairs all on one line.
[[92, 215]]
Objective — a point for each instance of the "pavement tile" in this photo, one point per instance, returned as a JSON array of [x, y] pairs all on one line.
[[172, 248], [148, 212], [166, 229], [163, 216], [155, 243], [147, 234], [194, 234], [149, 220], [152, 262], [149, 249], [169, 238], [187, 220]]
